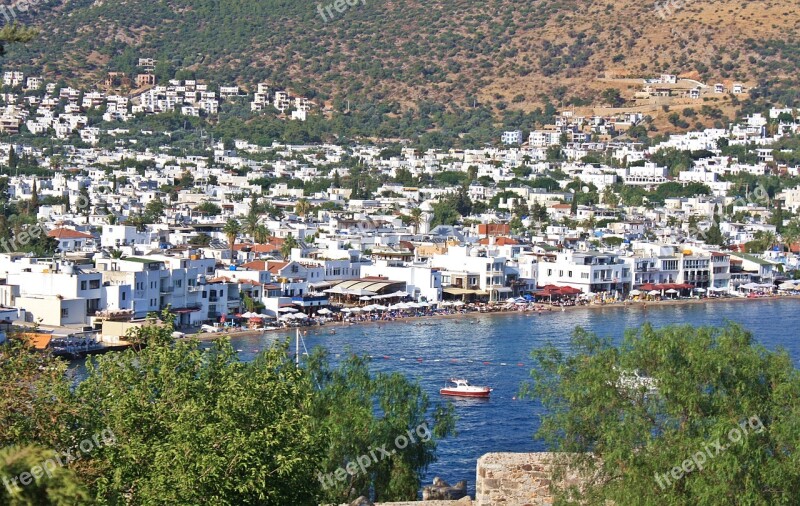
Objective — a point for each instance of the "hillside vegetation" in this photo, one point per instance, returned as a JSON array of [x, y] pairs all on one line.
[[501, 51]]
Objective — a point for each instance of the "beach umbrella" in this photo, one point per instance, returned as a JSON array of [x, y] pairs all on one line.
[[445, 303], [701, 290], [324, 311], [672, 290], [366, 297], [458, 303], [287, 310], [355, 309], [653, 292], [787, 286], [346, 310], [423, 304], [380, 307], [635, 292]]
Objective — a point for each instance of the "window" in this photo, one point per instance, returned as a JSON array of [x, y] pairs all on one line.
[[94, 284], [123, 295], [569, 274], [549, 272], [64, 312], [83, 285]]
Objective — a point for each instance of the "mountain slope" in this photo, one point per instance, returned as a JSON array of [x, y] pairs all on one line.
[[505, 53]]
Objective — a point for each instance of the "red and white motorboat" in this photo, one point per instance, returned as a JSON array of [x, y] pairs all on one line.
[[462, 388]]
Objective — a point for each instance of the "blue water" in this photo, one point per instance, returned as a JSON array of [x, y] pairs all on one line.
[[487, 349]]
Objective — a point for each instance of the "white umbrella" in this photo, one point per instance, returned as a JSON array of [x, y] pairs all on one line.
[[672, 290], [355, 309], [366, 297], [446, 303], [324, 311], [287, 310], [458, 303], [346, 310], [653, 292], [636, 292], [300, 316], [423, 304], [701, 290]]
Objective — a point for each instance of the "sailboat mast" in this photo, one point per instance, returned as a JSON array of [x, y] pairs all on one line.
[[297, 347]]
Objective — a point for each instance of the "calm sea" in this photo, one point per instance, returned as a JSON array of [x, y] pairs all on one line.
[[495, 350]]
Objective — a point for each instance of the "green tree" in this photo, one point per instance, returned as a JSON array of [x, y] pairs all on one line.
[[13, 33], [208, 209], [714, 233], [345, 404], [624, 415], [302, 207], [197, 426], [59, 487], [261, 235], [610, 198], [289, 243], [232, 229], [416, 218], [200, 240], [791, 233], [612, 97]]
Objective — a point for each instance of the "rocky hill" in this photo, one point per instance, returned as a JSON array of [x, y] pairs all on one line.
[[503, 53]]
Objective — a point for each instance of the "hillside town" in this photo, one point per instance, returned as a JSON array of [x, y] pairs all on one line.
[[577, 212]]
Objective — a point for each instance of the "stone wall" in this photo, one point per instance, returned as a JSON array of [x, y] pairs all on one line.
[[514, 479]]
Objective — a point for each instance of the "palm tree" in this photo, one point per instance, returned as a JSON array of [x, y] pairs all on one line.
[[261, 234], [302, 207], [416, 218], [232, 229], [791, 234], [764, 240], [288, 244], [250, 224]]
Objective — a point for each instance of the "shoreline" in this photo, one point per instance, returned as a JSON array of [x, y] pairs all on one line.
[[639, 305]]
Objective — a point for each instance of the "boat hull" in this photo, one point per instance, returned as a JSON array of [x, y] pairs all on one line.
[[459, 393]]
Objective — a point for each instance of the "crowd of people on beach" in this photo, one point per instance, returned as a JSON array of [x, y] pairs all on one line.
[[364, 314]]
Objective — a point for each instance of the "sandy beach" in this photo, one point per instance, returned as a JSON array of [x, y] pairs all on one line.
[[636, 305]]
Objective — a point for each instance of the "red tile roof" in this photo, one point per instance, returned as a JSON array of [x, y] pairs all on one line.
[[68, 233]]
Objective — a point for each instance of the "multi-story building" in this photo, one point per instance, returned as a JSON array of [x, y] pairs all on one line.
[[593, 271], [470, 271]]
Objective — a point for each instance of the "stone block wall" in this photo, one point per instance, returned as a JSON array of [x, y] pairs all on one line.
[[514, 479]]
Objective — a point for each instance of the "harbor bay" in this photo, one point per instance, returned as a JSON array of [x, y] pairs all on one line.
[[495, 350]]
